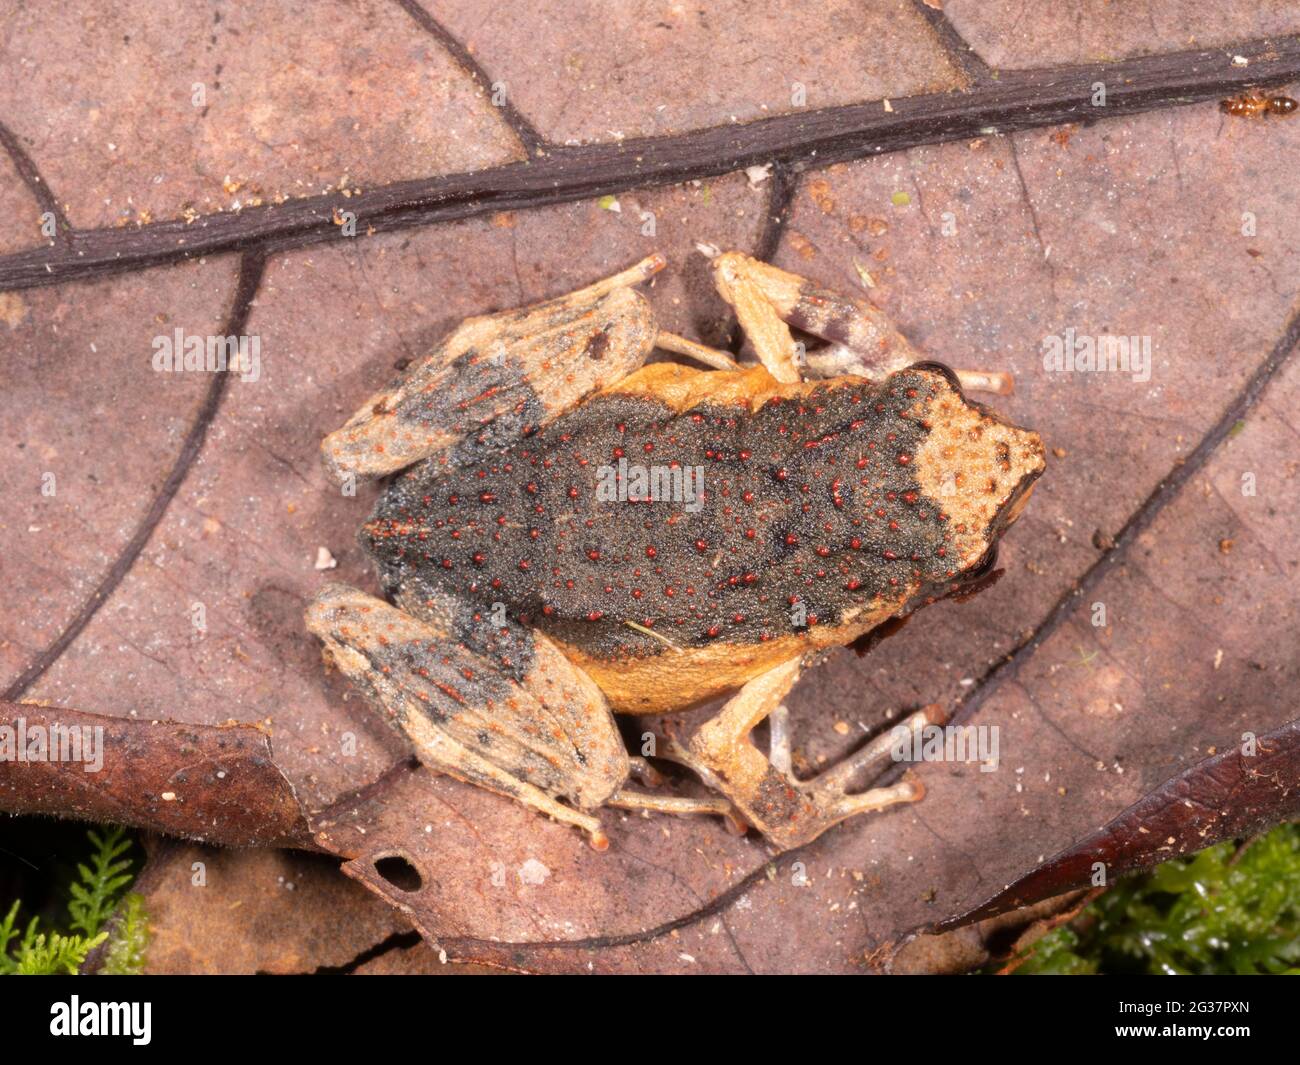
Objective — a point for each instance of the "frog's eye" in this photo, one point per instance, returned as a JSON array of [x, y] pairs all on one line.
[[983, 575], [940, 368], [983, 567]]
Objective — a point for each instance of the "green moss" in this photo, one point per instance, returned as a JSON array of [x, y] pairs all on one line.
[[129, 938], [41, 953], [1228, 909], [93, 897]]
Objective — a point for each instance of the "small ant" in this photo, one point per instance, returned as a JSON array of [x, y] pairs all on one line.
[[1254, 104]]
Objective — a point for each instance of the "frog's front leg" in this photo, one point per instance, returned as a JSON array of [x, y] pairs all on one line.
[[502, 708], [862, 341], [497, 377], [788, 811]]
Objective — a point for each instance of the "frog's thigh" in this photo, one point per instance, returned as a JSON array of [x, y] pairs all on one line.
[[544, 737], [499, 375], [787, 811]]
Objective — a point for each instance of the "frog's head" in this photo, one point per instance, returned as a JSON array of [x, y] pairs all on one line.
[[977, 467]]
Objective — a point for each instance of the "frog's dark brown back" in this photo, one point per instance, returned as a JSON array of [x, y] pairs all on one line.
[[804, 520]]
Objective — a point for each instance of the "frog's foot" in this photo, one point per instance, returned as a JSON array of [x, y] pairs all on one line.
[[862, 339], [539, 732], [789, 812]]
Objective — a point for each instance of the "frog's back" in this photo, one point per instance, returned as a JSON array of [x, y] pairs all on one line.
[[677, 541]]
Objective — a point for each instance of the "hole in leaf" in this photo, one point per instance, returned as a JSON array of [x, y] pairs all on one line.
[[399, 872]]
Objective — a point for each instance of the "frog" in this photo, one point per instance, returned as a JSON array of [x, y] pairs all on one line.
[[569, 530]]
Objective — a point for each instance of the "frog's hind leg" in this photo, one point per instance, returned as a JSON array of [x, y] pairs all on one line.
[[861, 339], [788, 811], [497, 377], [490, 702], [678, 806], [533, 728]]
